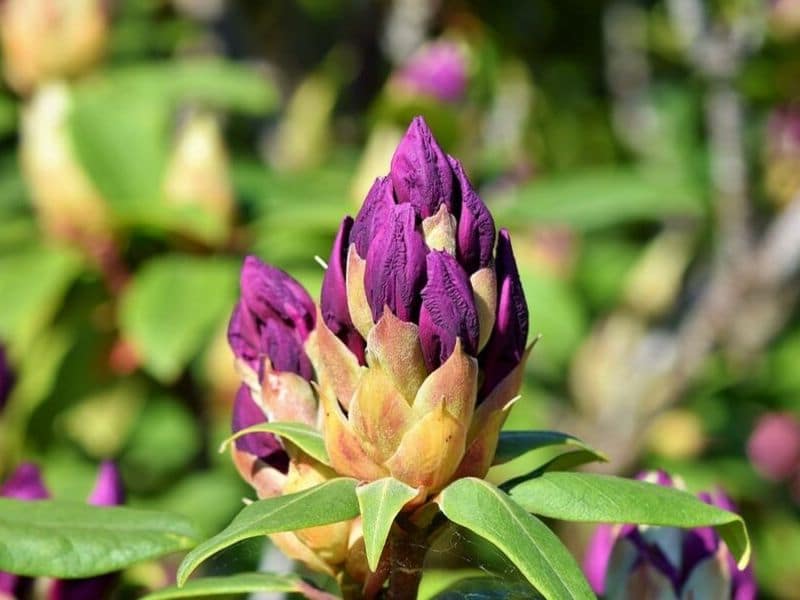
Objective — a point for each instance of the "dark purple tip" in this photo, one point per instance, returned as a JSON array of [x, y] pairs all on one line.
[[271, 320], [333, 299], [420, 171], [265, 446], [373, 213], [476, 233], [395, 269], [506, 345], [25, 484], [108, 488], [6, 377], [448, 311]]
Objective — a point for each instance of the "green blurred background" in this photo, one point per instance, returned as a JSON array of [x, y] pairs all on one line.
[[645, 155]]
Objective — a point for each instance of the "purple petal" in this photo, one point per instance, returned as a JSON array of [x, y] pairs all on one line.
[[243, 336], [476, 233], [284, 349], [25, 484], [448, 311], [374, 212], [420, 171], [333, 299], [658, 476], [395, 270], [266, 446], [108, 488], [597, 557], [270, 293], [6, 377], [439, 70], [506, 345]]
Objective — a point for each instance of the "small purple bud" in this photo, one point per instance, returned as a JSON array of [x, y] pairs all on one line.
[[25, 484], [6, 377], [448, 311], [475, 236], [506, 346], [272, 319], [373, 213], [265, 446], [333, 299], [420, 171], [108, 488], [395, 269], [438, 70]]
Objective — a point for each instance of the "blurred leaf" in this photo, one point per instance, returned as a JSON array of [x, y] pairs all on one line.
[[487, 588], [602, 268], [330, 502], [305, 437], [172, 306], [243, 583], [586, 497], [32, 283], [513, 444], [528, 543], [380, 501], [66, 539], [561, 462], [598, 198]]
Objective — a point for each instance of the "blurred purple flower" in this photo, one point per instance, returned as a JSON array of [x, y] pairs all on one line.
[[774, 446], [438, 70], [652, 562]]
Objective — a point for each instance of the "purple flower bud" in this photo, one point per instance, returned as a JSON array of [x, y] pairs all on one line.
[[372, 215], [6, 377], [265, 446], [774, 446], [475, 236], [506, 346], [421, 173], [272, 319], [438, 70], [333, 299], [25, 484], [448, 311], [395, 269], [108, 488]]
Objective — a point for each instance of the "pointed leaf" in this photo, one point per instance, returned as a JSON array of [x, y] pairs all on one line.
[[308, 439], [606, 499], [528, 543], [243, 583], [514, 444], [55, 538], [380, 502], [330, 502]]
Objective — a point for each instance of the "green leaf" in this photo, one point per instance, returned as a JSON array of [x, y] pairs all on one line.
[[243, 583], [380, 502], [595, 498], [513, 444], [52, 538], [308, 439], [172, 306], [329, 502], [529, 544], [562, 462]]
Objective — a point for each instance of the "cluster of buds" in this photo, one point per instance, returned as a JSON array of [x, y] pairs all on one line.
[[414, 357], [630, 561], [50, 39], [26, 484]]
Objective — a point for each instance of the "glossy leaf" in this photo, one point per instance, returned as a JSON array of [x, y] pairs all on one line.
[[66, 539], [562, 462], [243, 583], [308, 439], [513, 444], [380, 502], [329, 502], [529, 544], [596, 498], [161, 313]]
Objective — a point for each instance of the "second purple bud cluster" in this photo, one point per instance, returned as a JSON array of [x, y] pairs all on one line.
[[423, 247]]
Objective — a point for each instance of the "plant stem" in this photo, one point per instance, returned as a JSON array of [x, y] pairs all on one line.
[[407, 556]]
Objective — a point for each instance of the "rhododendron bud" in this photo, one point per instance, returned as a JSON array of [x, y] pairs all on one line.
[[6, 377], [50, 39], [629, 561]]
